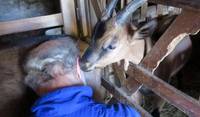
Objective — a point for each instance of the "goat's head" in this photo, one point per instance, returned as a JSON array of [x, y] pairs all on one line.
[[113, 37]]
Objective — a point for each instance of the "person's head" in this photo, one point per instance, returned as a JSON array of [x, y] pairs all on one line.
[[51, 65]]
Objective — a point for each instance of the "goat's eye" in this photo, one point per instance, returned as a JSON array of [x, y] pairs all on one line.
[[111, 47]]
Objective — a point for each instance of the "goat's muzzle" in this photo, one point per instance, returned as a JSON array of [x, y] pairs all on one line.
[[86, 66]]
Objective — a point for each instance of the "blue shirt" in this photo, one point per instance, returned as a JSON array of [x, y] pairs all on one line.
[[77, 101]]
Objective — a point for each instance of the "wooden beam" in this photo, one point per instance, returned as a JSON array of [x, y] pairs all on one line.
[[119, 73], [162, 10], [175, 97], [97, 8], [29, 24], [185, 4], [186, 23], [84, 17], [68, 9], [118, 93]]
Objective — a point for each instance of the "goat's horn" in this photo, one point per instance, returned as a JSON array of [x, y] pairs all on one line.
[[129, 9], [107, 13]]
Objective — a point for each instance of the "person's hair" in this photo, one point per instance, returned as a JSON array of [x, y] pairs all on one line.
[[43, 58]]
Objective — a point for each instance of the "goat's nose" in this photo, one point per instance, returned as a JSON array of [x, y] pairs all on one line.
[[86, 66]]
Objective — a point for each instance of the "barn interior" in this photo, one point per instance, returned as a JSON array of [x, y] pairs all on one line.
[[24, 24]]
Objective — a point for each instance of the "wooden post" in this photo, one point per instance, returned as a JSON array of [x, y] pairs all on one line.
[[69, 17], [84, 17], [97, 8]]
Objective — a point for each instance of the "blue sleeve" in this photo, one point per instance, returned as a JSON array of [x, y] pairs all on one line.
[[77, 101]]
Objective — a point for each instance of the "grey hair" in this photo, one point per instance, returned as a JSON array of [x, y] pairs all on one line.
[[41, 60]]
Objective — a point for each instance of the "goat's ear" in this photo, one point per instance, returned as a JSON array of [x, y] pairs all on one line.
[[146, 30]]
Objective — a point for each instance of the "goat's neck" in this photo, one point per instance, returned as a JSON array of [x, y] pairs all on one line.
[[148, 45], [135, 53]]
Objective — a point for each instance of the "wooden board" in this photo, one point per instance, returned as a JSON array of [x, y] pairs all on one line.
[[68, 9], [97, 8], [84, 13], [186, 4], [29, 24], [16, 100], [187, 22], [175, 97], [119, 94]]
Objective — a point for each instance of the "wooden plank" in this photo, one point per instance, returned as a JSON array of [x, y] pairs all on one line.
[[68, 9], [187, 22], [186, 4], [122, 4], [119, 93], [103, 4], [93, 16], [120, 74], [162, 10], [84, 18], [175, 97], [97, 8], [29, 24]]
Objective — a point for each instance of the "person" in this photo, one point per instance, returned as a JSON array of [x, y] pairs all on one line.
[[53, 72]]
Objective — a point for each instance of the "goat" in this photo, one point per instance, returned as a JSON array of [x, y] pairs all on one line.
[[115, 39]]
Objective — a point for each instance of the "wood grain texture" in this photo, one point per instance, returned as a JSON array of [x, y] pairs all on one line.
[[187, 22], [175, 97], [68, 9], [186, 4], [29, 24]]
